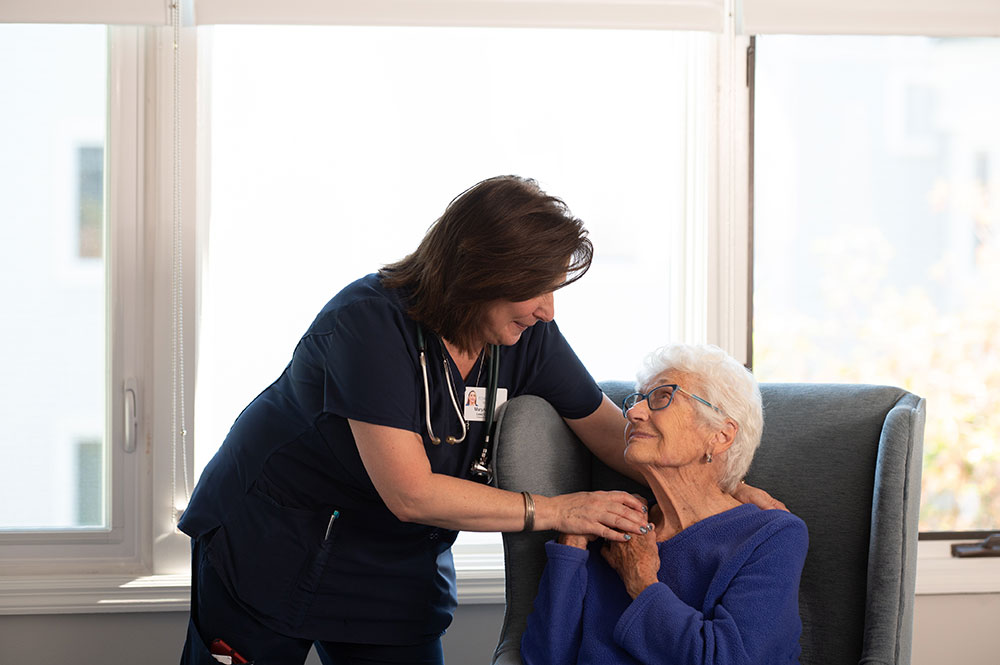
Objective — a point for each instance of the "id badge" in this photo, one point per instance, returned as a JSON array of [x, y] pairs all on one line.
[[475, 403]]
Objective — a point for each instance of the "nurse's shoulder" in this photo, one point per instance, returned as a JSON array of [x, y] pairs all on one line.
[[363, 298]]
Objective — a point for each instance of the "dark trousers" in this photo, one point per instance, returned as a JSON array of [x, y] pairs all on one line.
[[216, 615]]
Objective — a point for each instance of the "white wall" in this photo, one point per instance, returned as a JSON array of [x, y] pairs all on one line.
[[956, 629], [156, 638]]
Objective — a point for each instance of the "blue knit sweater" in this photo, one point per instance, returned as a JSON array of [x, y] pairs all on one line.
[[728, 593]]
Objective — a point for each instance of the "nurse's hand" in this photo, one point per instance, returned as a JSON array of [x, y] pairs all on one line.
[[748, 494], [609, 515]]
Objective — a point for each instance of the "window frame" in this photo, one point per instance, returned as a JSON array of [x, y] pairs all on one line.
[[141, 562], [147, 567], [938, 573], [38, 551]]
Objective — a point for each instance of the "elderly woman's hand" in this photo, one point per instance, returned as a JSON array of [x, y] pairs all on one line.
[[637, 561], [748, 494], [575, 540], [610, 515]]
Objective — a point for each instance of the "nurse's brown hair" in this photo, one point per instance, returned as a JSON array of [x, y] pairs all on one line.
[[501, 239]]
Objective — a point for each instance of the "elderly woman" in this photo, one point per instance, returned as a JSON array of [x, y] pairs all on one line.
[[711, 580]]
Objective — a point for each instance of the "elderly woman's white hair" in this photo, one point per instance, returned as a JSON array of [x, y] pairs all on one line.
[[720, 379]]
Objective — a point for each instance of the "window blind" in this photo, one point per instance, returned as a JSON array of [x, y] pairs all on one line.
[[704, 15], [935, 18], [111, 12]]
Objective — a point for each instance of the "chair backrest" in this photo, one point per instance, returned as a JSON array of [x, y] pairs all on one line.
[[844, 458]]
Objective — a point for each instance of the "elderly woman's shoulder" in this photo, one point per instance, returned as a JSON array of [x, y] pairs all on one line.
[[778, 516], [770, 522], [785, 526]]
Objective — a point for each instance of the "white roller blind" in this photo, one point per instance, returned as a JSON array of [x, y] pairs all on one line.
[[112, 12], [650, 14], [939, 18]]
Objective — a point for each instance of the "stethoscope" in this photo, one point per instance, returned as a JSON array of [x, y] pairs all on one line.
[[481, 470]]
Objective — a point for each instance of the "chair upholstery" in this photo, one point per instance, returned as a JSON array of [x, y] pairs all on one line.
[[844, 458]]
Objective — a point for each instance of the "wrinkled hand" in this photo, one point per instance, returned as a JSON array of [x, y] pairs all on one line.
[[636, 561], [575, 540], [608, 515], [748, 494]]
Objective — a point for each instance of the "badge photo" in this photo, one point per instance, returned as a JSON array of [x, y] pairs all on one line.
[[475, 403]]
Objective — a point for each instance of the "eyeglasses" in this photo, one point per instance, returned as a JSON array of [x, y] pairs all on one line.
[[660, 397]]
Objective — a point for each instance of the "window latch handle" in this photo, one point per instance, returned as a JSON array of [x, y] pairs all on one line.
[[990, 546], [131, 417]]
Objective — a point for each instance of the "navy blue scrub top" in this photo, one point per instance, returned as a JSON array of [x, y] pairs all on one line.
[[287, 512]]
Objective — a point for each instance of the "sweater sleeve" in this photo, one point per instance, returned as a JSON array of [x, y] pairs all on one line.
[[755, 619], [553, 632]]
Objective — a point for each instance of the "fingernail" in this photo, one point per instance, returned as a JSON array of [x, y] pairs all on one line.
[[628, 537], [650, 526], [642, 529], [644, 509]]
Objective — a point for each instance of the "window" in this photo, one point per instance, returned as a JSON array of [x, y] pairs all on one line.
[[622, 160], [334, 149], [877, 239], [53, 128], [70, 494]]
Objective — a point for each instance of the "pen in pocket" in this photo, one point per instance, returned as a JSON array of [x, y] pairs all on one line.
[[329, 527]]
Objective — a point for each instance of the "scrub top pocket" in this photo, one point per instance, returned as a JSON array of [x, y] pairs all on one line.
[[272, 557]]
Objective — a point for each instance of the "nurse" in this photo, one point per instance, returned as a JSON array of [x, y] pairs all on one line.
[[328, 513]]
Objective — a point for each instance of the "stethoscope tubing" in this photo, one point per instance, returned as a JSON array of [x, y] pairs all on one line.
[[492, 381]]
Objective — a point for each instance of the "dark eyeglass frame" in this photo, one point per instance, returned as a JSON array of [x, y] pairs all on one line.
[[626, 406]]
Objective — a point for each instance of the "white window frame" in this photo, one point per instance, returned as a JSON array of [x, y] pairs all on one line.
[[140, 563], [938, 573], [30, 552], [145, 563]]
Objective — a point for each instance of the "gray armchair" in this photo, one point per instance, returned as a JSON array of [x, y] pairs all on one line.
[[844, 458]]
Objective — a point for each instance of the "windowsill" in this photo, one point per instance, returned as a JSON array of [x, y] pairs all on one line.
[[93, 594], [938, 573], [480, 581]]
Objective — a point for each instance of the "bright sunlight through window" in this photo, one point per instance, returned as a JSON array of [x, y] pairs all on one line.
[[878, 239]]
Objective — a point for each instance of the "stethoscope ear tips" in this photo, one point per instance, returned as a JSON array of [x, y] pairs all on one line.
[[452, 440]]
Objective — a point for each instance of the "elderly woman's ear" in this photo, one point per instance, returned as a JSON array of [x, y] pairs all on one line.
[[725, 436]]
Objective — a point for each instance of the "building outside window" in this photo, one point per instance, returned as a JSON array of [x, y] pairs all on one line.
[[90, 160]]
